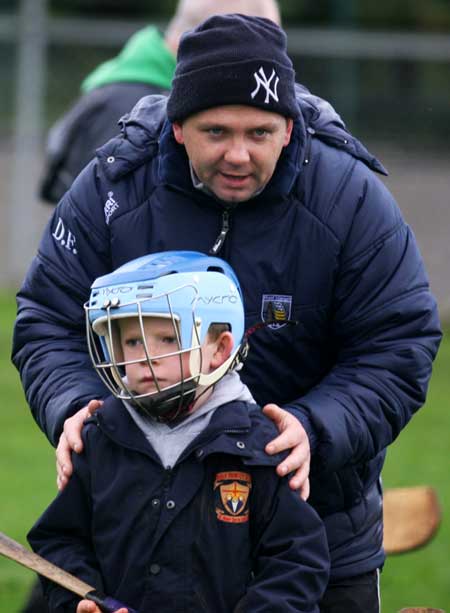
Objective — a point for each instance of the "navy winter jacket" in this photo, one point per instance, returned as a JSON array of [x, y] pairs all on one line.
[[218, 532], [323, 244]]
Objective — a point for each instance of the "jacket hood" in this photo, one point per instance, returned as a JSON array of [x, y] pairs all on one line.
[[323, 122], [144, 59], [143, 127]]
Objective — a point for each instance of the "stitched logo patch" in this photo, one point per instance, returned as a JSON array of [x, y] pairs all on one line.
[[276, 310], [267, 83], [110, 206], [232, 490]]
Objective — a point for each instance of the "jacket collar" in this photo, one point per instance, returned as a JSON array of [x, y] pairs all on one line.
[[229, 431]]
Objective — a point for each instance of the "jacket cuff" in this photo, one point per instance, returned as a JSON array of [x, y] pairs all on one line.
[[59, 600]]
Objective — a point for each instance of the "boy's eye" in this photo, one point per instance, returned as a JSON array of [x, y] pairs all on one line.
[[259, 132], [133, 342], [169, 340]]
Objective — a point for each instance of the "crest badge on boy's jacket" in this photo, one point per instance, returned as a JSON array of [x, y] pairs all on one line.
[[232, 491]]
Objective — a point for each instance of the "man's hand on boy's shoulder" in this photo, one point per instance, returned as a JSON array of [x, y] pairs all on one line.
[[87, 606], [292, 437], [70, 440]]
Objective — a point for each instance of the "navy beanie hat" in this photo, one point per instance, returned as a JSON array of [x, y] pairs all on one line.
[[233, 59]]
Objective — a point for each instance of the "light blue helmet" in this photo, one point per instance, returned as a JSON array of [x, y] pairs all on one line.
[[193, 290]]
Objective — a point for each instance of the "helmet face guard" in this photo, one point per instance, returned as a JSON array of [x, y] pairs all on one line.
[[144, 291]]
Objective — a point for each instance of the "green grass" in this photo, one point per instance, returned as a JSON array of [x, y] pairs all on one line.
[[420, 456], [27, 475]]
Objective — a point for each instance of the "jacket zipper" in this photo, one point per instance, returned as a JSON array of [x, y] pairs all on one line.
[[168, 472], [223, 233]]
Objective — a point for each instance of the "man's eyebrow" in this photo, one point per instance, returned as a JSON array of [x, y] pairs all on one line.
[[209, 123], [264, 125]]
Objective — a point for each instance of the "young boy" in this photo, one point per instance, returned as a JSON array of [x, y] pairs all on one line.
[[174, 505]]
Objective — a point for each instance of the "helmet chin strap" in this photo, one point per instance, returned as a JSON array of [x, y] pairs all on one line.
[[205, 380], [167, 405]]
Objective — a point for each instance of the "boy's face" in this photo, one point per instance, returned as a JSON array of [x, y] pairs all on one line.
[[234, 149], [161, 339]]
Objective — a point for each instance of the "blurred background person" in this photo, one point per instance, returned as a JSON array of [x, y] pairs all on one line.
[[144, 66]]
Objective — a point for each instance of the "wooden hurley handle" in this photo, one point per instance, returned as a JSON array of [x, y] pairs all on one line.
[[15, 551]]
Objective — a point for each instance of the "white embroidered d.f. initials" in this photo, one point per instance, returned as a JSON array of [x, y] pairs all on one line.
[[65, 237], [261, 79]]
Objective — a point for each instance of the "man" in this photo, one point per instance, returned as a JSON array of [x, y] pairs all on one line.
[[250, 166], [144, 66]]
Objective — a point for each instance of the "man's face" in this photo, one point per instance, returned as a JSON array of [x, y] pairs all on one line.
[[161, 339], [234, 149]]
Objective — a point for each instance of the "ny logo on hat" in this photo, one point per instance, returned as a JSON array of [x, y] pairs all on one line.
[[265, 82]]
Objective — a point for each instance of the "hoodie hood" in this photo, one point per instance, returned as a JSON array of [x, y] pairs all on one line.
[[144, 59], [169, 440]]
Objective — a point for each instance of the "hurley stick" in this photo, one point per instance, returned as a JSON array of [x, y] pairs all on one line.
[[15, 551], [411, 517]]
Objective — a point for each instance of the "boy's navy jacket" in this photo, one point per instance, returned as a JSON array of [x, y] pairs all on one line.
[[323, 244], [218, 532]]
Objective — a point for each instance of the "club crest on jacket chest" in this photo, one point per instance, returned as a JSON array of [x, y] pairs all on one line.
[[231, 491], [276, 310]]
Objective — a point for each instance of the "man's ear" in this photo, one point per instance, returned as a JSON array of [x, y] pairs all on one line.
[[224, 347], [288, 133], [178, 132]]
